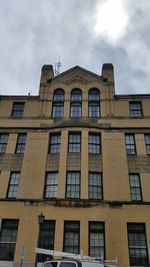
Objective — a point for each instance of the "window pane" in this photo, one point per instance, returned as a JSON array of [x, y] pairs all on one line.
[[136, 109], [17, 110], [94, 144], [94, 103], [51, 185], [8, 238], [74, 142], [13, 185], [95, 186], [54, 143], [73, 185], [147, 143], [21, 141], [130, 144], [96, 239], [137, 244], [46, 237], [72, 237], [3, 143]]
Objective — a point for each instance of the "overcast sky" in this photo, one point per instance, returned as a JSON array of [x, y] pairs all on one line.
[[82, 32]]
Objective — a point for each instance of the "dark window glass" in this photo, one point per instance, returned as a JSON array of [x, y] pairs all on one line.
[[3, 142], [147, 143], [58, 103], [74, 143], [135, 187], [51, 185], [21, 141], [18, 108], [94, 103], [95, 186], [94, 143], [13, 184], [54, 143], [96, 239], [73, 185], [130, 144], [46, 238], [136, 109], [137, 244], [76, 103], [72, 237], [8, 238]]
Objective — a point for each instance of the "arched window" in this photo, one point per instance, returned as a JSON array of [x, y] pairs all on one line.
[[94, 103], [58, 103], [76, 103]]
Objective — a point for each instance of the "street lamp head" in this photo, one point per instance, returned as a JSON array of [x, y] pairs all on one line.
[[41, 218]]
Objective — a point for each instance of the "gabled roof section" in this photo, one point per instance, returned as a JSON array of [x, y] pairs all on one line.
[[76, 74]]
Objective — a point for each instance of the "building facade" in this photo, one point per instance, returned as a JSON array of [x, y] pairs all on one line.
[[80, 154]]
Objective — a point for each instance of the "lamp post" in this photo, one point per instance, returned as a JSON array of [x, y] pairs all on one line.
[[41, 218]]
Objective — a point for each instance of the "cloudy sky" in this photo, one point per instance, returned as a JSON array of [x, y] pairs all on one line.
[[81, 32]]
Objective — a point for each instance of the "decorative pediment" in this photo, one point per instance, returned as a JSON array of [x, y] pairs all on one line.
[[76, 75]]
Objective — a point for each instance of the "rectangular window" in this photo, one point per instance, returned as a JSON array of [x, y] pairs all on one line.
[[46, 237], [135, 187], [95, 186], [96, 239], [76, 110], [51, 185], [8, 238], [72, 237], [54, 143], [136, 109], [17, 111], [13, 184], [147, 143], [130, 144], [3, 142], [137, 244], [94, 143], [74, 143], [21, 141], [73, 185]]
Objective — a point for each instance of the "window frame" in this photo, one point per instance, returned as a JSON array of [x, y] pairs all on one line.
[[51, 194], [76, 102], [147, 143], [135, 246], [135, 111], [134, 188], [94, 103], [3, 142], [130, 144], [17, 110], [69, 192], [101, 231], [54, 146], [74, 144], [13, 186], [47, 228], [58, 103], [10, 245], [77, 231], [95, 186], [94, 145], [21, 143]]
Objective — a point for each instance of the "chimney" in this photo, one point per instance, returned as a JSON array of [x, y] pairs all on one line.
[[108, 72], [47, 73]]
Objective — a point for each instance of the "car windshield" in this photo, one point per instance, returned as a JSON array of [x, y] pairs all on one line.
[[67, 264], [50, 264]]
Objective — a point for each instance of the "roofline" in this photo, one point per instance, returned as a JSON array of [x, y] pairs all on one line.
[[79, 68], [132, 96], [19, 97]]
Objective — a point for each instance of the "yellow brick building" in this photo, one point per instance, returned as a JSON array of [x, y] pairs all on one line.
[[80, 154]]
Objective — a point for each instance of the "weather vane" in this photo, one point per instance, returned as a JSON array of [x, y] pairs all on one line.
[[58, 67]]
